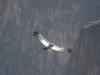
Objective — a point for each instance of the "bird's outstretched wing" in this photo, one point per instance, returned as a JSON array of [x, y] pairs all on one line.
[[58, 48], [44, 41]]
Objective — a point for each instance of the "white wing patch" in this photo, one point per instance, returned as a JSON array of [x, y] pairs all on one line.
[[57, 48], [43, 40]]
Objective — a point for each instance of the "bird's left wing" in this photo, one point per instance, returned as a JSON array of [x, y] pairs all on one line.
[[58, 48]]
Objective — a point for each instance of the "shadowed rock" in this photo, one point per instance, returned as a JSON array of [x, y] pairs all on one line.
[[85, 59]]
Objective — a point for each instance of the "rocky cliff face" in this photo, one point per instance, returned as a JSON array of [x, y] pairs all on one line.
[[57, 20], [85, 59]]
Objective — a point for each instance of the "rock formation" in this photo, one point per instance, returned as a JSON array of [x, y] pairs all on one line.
[[85, 58]]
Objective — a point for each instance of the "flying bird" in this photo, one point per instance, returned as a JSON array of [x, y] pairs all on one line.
[[48, 44]]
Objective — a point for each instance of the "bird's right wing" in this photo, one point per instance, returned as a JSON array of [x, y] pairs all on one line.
[[44, 41]]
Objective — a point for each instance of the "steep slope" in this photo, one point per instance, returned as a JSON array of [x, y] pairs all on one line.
[[85, 59]]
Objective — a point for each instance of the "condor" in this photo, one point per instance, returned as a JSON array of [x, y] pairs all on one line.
[[48, 44]]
